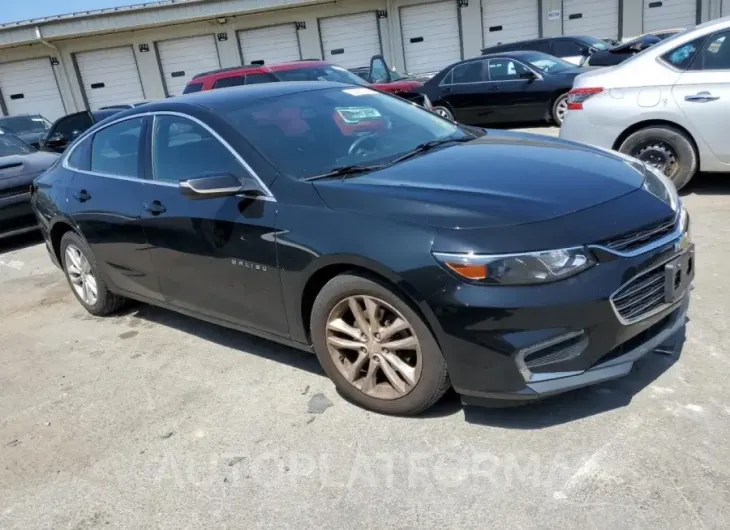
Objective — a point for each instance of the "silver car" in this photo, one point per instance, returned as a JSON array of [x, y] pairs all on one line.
[[668, 106]]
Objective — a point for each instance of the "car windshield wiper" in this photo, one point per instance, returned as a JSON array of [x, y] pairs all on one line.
[[427, 146], [347, 171]]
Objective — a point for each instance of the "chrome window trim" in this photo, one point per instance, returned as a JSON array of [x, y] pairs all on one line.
[[268, 196], [450, 73]]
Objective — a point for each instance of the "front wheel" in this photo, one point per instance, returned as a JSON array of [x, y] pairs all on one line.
[[376, 349], [560, 109], [667, 149], [444, 112]]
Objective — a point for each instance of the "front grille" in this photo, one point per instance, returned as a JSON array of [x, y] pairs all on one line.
[[639, 238], [642, 295], [14, 191], [636, 341]]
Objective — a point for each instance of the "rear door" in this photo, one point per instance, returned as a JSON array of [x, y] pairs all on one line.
[[106, 204], [703, 93], [469, 93], [215, 257]]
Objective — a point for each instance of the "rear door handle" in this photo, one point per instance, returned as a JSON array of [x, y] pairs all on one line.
[[701, 97], [82, 196], [155, 207]]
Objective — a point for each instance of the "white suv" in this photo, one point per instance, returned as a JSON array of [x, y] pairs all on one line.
[[666, 106]]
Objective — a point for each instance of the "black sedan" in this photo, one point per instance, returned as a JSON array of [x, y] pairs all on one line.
[[514, 87], [65, 130], [409, 253], [620, 53], [19, 165]]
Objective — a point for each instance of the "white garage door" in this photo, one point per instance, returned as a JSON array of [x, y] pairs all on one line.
[[109, 77], [594, 18], [351, 40], [667, 14], [275, 44], [509, 21], [30, 87], [181, 59], [725, 8], [431, 37]]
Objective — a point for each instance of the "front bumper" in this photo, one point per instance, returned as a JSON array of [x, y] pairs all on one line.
[[529, 342], [16, 215]]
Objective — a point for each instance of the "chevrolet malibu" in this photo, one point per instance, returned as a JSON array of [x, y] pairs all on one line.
[[410, 254]]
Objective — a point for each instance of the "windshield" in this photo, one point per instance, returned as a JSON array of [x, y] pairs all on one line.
[[311, 133], [593, 42], [324, 72], [548, 63], [12, 145], [25, 124]]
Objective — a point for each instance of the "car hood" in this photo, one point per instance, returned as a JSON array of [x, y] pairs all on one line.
[[501, 179], [16, 166]]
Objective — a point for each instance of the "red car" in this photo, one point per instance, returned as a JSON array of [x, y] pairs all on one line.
[[307, 70]]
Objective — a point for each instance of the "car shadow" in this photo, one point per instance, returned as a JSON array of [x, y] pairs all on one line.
[[20, 242], [585, 402], [550, 412], [229, 338], [708, 184]]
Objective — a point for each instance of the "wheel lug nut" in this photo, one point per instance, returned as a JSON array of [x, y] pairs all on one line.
[[377, 336], [363, 337], [384, 350], [363, 350]]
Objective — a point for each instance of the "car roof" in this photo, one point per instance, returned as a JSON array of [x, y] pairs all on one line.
[[258, 69], [216, 99], [517, 54]]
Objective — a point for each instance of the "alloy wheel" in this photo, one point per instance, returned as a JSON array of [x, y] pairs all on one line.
[[660, 155], [81, 276], [443, 112], [561, 109], [374, 347]]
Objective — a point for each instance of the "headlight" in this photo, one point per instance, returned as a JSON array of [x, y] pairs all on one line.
[[661, 187], [518, 269]]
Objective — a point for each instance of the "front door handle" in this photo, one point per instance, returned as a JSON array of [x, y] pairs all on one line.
[[701, 97], [82, 196], [155, 207]]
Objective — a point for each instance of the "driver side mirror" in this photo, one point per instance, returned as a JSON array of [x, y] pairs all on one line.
[[585, 51], [379, 71], [55, 142], [211, 187]]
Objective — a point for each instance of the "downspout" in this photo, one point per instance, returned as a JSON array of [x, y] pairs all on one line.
[[66, 87]]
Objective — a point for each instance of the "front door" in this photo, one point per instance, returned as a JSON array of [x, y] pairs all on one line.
[[215, 257], [703, 94], [105, 196], [519, 98]]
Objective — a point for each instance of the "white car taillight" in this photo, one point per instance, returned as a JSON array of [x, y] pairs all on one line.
[[578, 96]]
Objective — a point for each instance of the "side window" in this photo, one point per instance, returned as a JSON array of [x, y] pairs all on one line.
[[539, 46], [566, 48], [505, 70], [681, 57], [115, 149], [183, 149], [256, 79], [80, 157], [471, 72], [715, 54], [193, 87], [229, 81], [72, 126]]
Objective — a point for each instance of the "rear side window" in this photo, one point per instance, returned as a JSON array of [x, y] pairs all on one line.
[[472, 72], [538, 46], [193, 87], [229, 81], [257, 79], [115, 149], [566, 48], [681, 57], [80, 157], [72, 126]]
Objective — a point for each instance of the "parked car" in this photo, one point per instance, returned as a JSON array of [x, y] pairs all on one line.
[[308, 70], [30, 128], [664, 106], [511, 87], [620, 53], [65, 130], [389, 75], [574, 49], [510, 265], [125, 106], [20, 163]]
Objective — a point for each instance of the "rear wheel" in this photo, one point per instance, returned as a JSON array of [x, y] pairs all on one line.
[[376, 349], [82, 274], [444, 112], [560, 109], [667, 149]]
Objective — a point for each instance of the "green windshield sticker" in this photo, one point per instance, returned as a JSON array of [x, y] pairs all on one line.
[[358, 114]]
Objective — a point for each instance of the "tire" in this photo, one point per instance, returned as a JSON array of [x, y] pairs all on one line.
[[640, 143], [433, 381], [444, 112], [106, 302], [556, 109]]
